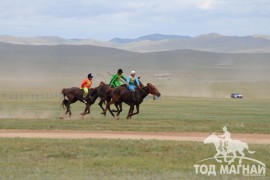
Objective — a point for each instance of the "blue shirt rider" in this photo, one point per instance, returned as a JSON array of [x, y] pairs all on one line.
[[131, 80]]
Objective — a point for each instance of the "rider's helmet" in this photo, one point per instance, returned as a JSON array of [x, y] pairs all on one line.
[[120, 71], [90, 76]]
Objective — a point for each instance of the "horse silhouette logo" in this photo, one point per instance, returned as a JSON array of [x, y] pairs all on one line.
[[225, 146]]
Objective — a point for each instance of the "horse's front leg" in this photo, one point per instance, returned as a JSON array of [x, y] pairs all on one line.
[[105, 110], [100, 104], [137, 110], [225, 157], [108, 108], [120, 109], [86, 110], [116, 106], [84, 113], [234, 156], [242, 155], [131, 109]]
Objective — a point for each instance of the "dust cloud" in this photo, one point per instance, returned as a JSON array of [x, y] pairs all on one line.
[[23, 114]]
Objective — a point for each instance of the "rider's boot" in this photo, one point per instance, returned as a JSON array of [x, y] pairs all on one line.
[[85, 96]]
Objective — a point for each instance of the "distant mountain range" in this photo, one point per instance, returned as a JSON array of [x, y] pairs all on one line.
[[209, 42], [152, 37], [159, 42]]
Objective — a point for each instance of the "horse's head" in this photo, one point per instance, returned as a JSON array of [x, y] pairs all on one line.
[[153, 90], [211, 139]]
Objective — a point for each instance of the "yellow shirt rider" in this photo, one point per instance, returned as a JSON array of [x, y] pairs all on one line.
[[86, 84]]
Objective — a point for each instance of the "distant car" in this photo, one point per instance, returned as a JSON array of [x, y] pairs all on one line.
[[236, 95]]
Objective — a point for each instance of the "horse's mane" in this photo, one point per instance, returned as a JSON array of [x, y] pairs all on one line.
[[93, 91]]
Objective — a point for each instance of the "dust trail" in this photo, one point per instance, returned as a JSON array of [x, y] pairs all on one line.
[[188, 89], [26, 115]]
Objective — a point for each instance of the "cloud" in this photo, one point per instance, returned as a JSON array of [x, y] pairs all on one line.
[[104, 19], [206, 5]]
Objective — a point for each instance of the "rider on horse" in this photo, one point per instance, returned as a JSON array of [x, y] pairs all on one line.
[[86, 84], [115, 81], [225, 138], [132, 83]]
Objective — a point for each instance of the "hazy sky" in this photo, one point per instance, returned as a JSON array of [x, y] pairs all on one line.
[[106, 19]]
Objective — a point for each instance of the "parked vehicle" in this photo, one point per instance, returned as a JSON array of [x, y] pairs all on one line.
[[236, 95]]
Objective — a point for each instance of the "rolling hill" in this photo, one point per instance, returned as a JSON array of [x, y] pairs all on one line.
[[158, 42], [210, 42], [175, 72]]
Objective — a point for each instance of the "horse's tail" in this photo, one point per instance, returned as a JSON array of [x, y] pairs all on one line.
[[64, 92], [246, 146]]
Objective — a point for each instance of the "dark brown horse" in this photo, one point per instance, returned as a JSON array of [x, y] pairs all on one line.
[[104, 92], [74, 94], [123, 94]]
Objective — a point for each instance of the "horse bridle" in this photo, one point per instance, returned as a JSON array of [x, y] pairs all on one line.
[[150, 91]]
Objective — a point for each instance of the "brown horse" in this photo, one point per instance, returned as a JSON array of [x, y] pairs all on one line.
[[74, 94], [123, 94], [104, 92]]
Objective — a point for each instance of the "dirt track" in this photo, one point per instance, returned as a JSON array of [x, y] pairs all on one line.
[[63, 134]]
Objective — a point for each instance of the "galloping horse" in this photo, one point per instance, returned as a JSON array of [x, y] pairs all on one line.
[[74, 94], [122, 94], [233, 147], [104, 92]]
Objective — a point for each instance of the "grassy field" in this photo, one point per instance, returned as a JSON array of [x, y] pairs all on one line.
[[181, 77], [169, 114], [108, 159], [124, 159]]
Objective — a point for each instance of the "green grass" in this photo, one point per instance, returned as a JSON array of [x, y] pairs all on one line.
[[169, 114], [107, 159]]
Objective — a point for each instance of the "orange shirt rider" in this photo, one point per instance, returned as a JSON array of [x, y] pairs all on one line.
[[86, 84]]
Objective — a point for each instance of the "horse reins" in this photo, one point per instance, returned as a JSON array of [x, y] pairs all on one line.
[[102, 77], [150, 92]]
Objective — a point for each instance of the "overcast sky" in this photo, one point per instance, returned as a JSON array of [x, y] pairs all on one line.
[[106, 19]]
